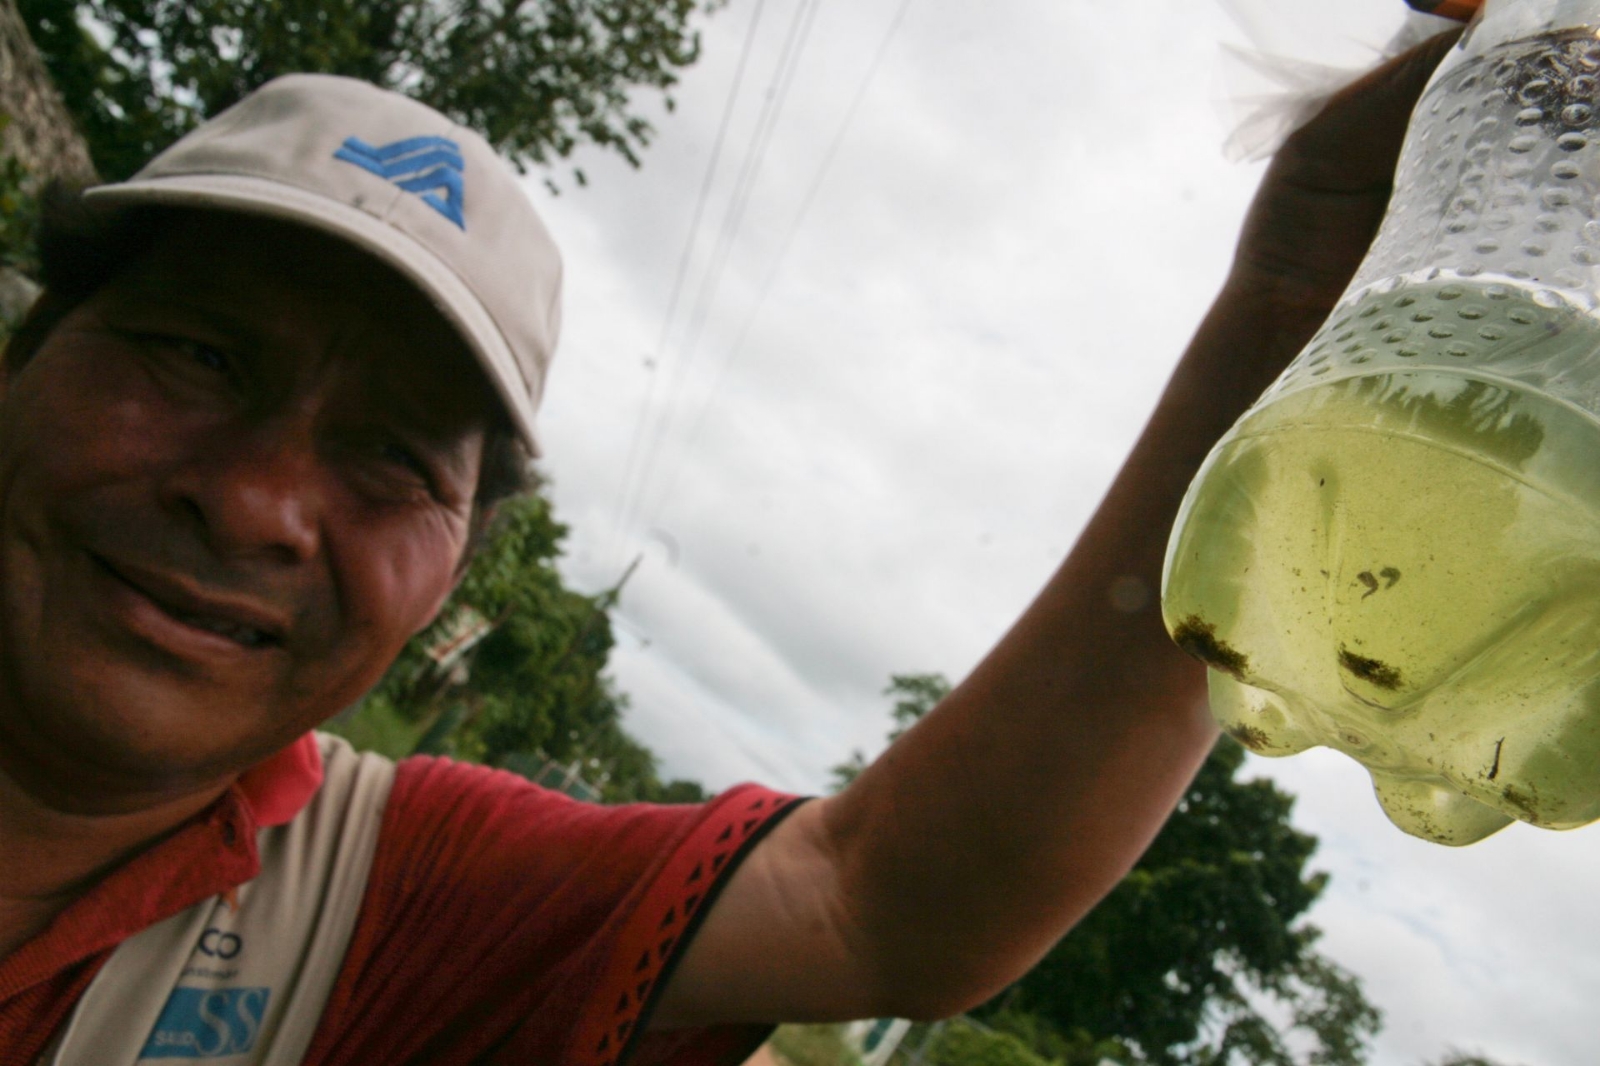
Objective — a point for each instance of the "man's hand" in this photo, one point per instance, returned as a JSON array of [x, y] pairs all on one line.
[[958, 858], [1325, 193]]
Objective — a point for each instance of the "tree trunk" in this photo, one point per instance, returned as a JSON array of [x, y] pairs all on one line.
[[39, 133]]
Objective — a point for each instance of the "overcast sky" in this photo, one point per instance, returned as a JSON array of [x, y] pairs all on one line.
[[876, 426]]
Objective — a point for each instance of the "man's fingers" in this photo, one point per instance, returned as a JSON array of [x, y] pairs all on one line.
[[1352, 144], [1326, 190]]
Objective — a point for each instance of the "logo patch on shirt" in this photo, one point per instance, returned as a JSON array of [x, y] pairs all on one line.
[[207, 1023], [431, 167]]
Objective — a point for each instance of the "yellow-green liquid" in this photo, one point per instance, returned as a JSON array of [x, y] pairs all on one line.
[[1401, 560]]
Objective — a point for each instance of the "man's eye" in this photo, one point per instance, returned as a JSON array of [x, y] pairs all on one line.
[[402, 457], [206, 355]]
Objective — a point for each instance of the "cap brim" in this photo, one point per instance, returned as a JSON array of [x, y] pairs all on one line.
[[453, 298]]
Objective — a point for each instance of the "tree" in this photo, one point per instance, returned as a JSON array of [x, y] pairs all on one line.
[[1183, 958], [36, 132], [37, 142], [914, 696], [535, 78], [962, 1044], [1192, 957], [531, 686]]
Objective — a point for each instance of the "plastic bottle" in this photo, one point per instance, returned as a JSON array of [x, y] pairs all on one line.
[[1396, 552]]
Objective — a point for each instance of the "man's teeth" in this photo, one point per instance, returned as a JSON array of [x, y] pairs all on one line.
[[236, 631]]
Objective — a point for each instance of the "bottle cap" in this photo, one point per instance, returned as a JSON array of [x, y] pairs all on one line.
[[1460, 10]]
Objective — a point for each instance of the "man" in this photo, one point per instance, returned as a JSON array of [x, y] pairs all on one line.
[[247, 436]]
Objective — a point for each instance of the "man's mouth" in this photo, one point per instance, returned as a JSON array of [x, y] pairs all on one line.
[[236, 621], [234, 631]]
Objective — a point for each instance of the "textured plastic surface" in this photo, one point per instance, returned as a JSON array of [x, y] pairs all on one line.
[[1396, 552]]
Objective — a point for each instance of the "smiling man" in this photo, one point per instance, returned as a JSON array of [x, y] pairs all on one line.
[[272, 391], [275, 495]]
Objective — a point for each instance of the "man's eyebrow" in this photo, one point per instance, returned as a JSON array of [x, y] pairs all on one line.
[[167, 295], [419, 410], [434, 428]]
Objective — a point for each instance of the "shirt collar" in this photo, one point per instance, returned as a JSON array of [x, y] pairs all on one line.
[[211, 854], [278, 788]]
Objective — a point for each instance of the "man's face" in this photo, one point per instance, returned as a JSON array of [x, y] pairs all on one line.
[[233, 483]]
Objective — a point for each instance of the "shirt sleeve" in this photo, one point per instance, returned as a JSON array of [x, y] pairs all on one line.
[[504, 922]]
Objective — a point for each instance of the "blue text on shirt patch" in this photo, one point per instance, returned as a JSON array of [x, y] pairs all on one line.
[[427, 166], [207, 1023]]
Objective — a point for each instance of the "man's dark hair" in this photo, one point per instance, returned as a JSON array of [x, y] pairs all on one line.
[[81, 249]]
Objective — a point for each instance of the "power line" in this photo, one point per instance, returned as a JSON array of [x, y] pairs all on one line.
[[684, 259], [733, 218], [795, 39], [816, 186], [783, 250]]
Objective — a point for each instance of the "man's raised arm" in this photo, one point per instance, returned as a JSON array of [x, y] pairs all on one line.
[[955, 861]]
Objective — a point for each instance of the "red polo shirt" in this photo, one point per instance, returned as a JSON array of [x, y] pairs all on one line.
[[502, 922]]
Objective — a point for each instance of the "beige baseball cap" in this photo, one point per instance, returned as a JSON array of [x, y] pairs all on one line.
[[399, 180]]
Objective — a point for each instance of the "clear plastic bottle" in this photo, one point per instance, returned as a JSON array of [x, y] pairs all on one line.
[[1396, 552]]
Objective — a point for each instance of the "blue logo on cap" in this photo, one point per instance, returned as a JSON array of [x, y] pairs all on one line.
[[428, 166]]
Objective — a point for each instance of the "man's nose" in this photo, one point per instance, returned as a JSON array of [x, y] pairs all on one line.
[[255, 492]]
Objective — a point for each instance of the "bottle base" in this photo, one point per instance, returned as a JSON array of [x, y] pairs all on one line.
[[1404, 567]]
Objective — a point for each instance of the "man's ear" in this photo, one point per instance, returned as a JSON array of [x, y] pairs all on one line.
[[439, 605], [468, 553], [482, 519]]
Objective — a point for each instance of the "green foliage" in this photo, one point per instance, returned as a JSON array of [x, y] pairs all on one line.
[[377, 725], [1456, 1057], [914, 696], [1075, 1048], [814, 1045], [847, 771], [961, 1044], [18, 209], [1177, 960], [536, 679], [536, 78], [536, 684]]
